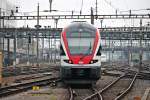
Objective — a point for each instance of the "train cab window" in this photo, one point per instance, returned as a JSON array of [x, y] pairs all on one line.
[[80, 40]]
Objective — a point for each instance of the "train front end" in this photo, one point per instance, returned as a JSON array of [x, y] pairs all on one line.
[[80, 54]]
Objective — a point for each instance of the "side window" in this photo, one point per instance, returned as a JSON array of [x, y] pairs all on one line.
[[99, 50], [100, 47], [62, 53]]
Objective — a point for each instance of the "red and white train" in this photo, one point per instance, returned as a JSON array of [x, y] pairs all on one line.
[[80, 54]]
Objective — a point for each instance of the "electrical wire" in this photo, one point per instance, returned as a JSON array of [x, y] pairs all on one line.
[[109, 3]]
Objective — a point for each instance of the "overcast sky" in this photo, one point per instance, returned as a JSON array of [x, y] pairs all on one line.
[[104, 7]]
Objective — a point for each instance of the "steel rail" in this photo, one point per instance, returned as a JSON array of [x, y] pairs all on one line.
[[14, 89], [108, 86], [128, 89], [71, 93], [104, 89], [99, 96]]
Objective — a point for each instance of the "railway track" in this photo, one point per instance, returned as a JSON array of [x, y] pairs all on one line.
[[71, 93], [129, 73], [14, 89], [115, 90], [80, 93]]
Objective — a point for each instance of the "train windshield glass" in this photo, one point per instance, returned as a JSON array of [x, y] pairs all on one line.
[[80, 41]]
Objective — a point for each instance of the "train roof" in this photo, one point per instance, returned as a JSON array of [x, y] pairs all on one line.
[[81, 25]]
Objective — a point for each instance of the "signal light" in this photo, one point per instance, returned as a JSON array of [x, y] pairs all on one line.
[[17, 9], [29, 41]]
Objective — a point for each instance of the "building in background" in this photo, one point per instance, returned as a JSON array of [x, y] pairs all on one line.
[[7, 7]]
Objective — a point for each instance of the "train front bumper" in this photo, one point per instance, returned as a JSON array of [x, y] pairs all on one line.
[[80, 73]]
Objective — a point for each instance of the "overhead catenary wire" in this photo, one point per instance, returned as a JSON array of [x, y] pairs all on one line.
[[110, 4]]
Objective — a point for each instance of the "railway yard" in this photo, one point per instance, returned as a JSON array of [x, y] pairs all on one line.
[[114, 84], [74, 50]]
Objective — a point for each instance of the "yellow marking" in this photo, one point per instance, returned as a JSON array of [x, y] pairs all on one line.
[[35, 88], [36, 95]]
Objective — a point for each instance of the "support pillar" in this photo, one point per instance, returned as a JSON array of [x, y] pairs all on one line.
[[14, 61], [1, 65], [51, 47], [0, 16], [92, 16], [0, 27], [43, 48], [141, 47], [28, 62], [130, 58], [49, 44], [29, 41], [55, 49], [8, 52], [1, 44], [37, 36], [3, 23]]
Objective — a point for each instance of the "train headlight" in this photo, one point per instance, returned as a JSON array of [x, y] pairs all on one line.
[[91, 62], [70, 62]]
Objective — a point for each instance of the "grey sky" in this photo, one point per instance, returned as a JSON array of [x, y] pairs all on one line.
[[104, 7]]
